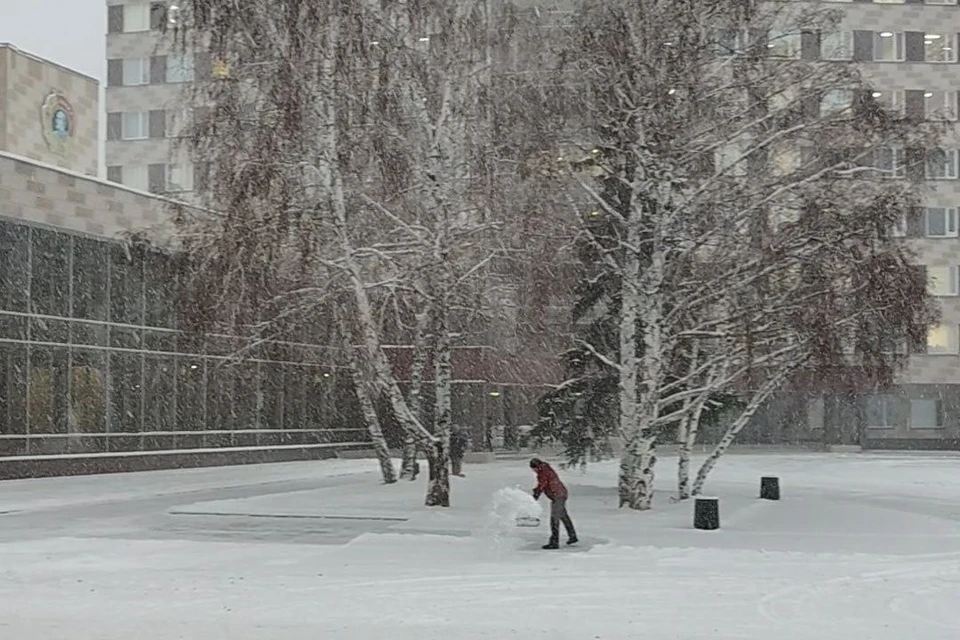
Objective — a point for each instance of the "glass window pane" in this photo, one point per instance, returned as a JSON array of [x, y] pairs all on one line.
[[125, 391], [160, 280], [88, 391], [924, 413], [135, 71], [179, 69], [13, 389], [159, 397], [126, 286], [51, 273], [90, 273], [48, 389], [190, 394], [14, 266]]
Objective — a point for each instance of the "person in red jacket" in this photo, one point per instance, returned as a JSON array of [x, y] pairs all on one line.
[[549, 484]]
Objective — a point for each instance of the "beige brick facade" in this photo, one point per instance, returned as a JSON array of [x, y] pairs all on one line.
[[26, 127], [43, 194]]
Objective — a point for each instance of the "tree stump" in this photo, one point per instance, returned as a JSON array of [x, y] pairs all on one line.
[[706, 514], [769, 488]]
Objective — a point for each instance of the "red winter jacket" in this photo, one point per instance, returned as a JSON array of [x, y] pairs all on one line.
[[548, 483]]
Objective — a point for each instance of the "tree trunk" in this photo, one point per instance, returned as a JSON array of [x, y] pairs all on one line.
[[636, 473], [373, 426], [438, 490], [408, 465], [689, 426], [758, 398]]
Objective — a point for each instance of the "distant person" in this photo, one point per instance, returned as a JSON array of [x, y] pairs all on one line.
[[459, 442], [549, 484]]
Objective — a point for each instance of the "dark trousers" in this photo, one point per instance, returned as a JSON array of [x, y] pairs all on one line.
[[456, 464], [558, 514]]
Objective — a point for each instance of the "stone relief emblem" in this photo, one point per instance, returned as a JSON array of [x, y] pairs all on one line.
[[57, 120]]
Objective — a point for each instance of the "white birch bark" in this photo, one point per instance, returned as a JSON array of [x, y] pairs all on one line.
[[408, 466], [368, 411], [438, 484]]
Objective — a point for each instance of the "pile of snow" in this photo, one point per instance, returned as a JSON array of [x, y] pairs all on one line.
[[500, 530]]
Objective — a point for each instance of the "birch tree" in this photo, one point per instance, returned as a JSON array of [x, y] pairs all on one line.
[[730, 164]]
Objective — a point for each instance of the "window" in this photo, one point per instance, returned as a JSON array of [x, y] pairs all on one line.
[[50, 278], [135, 177], [899, 228], [881, 411], [888, 46], [941, 2], [836, 45], [115, 174], [941, 164], [836, 101], [728, 42], [888, 1], [941, 222], [136, 17], [784, 44], [179, 69], [136, 71], [180, 177], [942, 281], [925, 413], [136, 125], [942, 339], [940, 47], [890, 161], [891, 100], [940, 105]]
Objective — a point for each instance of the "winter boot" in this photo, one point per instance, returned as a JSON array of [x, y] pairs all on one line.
[[554, 535]]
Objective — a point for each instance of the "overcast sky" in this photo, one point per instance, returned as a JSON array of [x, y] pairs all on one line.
[[68, 32]]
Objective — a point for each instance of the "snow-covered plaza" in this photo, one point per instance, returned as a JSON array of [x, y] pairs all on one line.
[[861, 546]]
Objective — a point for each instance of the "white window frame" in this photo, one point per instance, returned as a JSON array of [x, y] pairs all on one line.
[[842, 50], [950, 339], [142, 118], [945, 287], [135, 176], [899, 227], [950, 172], [179, 178], [945, 112], [784, 44], [899, 46], [946, 54], [843, 102], [940, 2], [135, 71], [888, 1], [136, 17], [937, 411], [884, 401], [898, 167], [897, 103], [949, 222], [180, 69]]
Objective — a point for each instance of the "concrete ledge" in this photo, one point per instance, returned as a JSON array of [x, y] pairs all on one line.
[[479, 457], [845, 448], [914, 444], [19, 467]]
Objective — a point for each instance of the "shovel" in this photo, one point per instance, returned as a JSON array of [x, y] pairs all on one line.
[[528, 521]]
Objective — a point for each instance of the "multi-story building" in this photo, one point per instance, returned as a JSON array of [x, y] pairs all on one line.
[[148, 81]]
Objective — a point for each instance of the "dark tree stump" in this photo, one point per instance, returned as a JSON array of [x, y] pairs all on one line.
[[706, 514], [769, 488]]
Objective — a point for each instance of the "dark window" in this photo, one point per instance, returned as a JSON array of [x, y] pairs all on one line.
[[190, 394], [115, 174], [48, 389], [114, 126], [88, 391], [126, 285], [14, 266], [13, 388], [125, 391], [90, 275], [51, 274], [115, 19], [159, 397], [160, 281]]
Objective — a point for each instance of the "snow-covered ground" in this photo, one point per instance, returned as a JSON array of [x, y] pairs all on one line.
[[861, 546]]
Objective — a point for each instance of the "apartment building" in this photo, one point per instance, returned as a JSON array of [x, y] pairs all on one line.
[[148, 82]]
